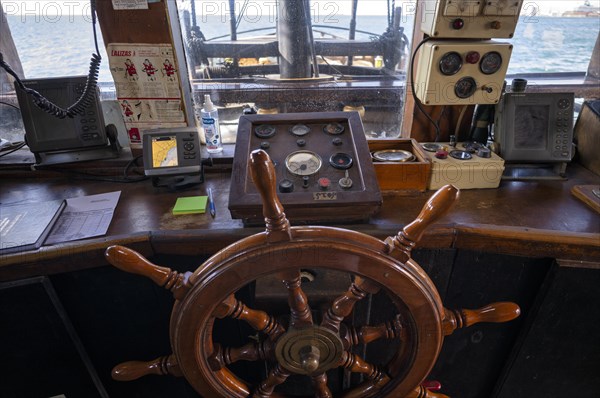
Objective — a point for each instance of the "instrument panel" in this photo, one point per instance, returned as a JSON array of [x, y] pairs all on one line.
[[454, 72], [323, 167], [470, 19]]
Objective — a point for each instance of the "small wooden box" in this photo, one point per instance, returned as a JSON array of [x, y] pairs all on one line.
[[401, 175]]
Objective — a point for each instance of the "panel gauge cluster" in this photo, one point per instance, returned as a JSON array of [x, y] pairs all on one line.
[[462, 72], [462, 65], [323, 167], [471, 19]]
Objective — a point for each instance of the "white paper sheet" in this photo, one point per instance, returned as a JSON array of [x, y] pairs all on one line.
[[84, 217], [130, 4]]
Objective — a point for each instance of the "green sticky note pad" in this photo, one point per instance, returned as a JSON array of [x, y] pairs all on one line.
[[190, 205]]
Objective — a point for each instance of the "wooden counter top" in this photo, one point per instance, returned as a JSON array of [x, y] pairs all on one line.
[[534, 219]]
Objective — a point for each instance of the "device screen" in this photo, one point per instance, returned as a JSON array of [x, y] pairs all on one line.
[[531, 126], [164, 151]]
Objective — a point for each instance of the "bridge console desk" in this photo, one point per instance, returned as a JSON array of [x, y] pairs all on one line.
[[533, 243]]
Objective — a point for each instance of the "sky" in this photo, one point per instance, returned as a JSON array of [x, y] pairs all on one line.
[[323, 7]]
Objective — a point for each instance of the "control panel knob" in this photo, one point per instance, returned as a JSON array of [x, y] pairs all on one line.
[[472, 57], [336, 141], [345, 182], [305, 182], [301, 142], [324, 183], [496, 25], [286, 186], [265, 145], [458, 24]]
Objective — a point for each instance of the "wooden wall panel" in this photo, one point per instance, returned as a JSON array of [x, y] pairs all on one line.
[[134, 26]]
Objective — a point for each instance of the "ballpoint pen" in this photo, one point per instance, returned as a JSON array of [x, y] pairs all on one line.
[[211, 203]]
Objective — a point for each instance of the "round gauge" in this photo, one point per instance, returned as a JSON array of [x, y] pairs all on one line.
[[334, 128], [490, 62], [460, 155], [465, 87], [431, 147], [300, 130], [341, 161], [264, 131], [450, 63], [303, 163], [393, 155]]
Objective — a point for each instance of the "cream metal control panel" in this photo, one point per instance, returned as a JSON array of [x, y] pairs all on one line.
[[470, 19], [461, 72]]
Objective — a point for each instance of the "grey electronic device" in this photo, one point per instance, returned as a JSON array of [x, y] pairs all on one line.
[[53, 140], [535, 127], [171, 152]]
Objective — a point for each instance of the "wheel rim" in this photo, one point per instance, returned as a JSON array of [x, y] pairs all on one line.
[[409, 288]]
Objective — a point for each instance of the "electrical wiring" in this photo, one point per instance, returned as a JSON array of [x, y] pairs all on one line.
[[460, 118], [9, 104], [18, 146], [414, 93], [89, 91]]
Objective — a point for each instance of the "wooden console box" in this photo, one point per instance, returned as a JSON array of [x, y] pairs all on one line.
[[401, 175]]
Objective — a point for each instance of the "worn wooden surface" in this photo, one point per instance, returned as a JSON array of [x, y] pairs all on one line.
[[535, 219], [134, 26]]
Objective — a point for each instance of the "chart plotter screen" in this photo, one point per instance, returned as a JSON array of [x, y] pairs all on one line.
[[164, 151]]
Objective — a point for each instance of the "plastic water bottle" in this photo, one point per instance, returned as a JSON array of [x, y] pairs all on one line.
[[210, 125]]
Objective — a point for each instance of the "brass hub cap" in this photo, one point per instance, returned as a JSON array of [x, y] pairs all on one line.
[[310, 350]]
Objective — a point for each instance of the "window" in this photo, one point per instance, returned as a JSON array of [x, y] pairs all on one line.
[[54, 38], [555, 37], [362, 60]]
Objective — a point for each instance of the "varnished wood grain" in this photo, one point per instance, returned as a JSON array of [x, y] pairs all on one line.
[[132, 370], [521, 218]]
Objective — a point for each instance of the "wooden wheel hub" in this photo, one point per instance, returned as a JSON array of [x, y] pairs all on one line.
[[309, 350]]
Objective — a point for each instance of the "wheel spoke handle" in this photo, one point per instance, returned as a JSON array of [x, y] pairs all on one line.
[[297, 300], [277, 376], [496, 312], [422, 392], [367, 334], [321, 389], [432, 211], [356, 364], [131, 261], [264, 177], [221, 357], [368, 388], [132, 370], [259, 320], [344, 304]]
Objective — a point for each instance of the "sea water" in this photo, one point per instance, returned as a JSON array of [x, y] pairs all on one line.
[[51, 47]]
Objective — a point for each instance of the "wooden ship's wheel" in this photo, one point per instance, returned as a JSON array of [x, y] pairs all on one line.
[[305, 341]]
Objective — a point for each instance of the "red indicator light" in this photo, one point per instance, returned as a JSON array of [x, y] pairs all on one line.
[[458, 23], [324, 182], [472, 57]]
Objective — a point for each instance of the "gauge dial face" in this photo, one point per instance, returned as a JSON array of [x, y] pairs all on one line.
[[264, 131], [393, 155], [341, 161], [303, 163], [334, 128], [490, 63], [450, 63], [465, 87], [300, 130]]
